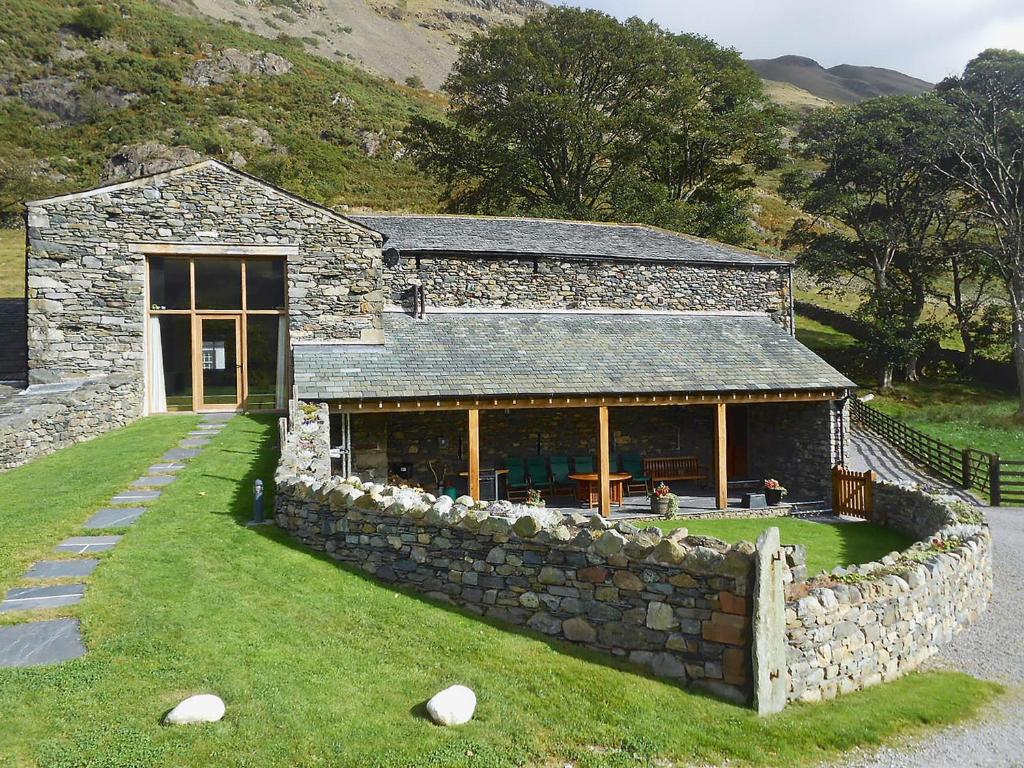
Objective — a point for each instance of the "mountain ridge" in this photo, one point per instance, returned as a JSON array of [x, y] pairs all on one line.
[[843, 83]]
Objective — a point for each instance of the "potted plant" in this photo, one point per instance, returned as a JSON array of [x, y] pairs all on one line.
[[663, 501], [774, 491], [533, 498]]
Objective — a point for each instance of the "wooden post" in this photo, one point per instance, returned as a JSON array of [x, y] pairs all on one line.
[[474, 453], [965, 469], [603, 461], [721, 459]]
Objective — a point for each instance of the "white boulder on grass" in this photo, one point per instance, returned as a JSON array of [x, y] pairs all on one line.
[[203, 708], [452, 706]]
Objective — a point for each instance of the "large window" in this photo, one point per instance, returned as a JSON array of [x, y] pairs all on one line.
[[217, 333]]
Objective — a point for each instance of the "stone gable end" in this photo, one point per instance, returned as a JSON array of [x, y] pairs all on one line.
[[86, 286]]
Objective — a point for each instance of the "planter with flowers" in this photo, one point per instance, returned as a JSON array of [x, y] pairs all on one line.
[[534, 499], [773, 492], [664, 502]]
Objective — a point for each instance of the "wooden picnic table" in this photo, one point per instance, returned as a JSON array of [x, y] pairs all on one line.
[[588, 487]]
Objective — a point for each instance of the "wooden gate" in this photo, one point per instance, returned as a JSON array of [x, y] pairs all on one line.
[[853, 493]]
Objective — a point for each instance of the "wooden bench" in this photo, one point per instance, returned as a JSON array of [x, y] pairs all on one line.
[[673, 468]]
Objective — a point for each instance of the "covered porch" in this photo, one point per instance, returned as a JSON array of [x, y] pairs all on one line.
[[496, 402]]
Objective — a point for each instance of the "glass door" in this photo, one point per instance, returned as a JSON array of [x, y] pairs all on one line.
[[219, 363]]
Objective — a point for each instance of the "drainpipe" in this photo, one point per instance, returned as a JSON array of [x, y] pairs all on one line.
[[792, 304]]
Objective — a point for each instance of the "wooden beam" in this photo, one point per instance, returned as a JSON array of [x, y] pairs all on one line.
[[474, 453], [721, 459], [603, 462], [520, 401]]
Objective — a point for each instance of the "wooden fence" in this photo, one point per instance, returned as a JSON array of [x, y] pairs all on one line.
[[967, 468], [853, 493]]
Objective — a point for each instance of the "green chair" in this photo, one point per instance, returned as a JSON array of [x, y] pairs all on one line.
[[583, 464], [560, 480], [516, 481], [634, 465], [537, 469]]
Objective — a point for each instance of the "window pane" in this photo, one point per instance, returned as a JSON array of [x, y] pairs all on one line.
[[218, 283], [168, 283], [264, 284], [176, 341], [264, 344]]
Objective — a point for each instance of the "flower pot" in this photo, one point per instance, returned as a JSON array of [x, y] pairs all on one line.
[[773, 496], [660, 505]]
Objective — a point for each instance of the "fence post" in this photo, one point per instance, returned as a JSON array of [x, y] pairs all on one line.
[[995, 492], [965, 469]]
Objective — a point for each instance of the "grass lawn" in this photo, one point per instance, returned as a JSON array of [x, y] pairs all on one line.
[[962, 415], [827, 545], [321, 666], [48, 499], [12, 263]]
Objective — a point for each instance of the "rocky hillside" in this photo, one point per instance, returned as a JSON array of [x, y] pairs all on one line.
[[414, 40], [85, 102], [844, 83]]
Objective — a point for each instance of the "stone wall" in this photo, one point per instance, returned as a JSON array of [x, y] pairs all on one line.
[[871, 623], [306, 442], [590, 283], [795, 443], [86, 287], [678, 605], [45, 418]]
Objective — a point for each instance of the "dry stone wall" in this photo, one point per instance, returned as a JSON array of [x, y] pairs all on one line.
[[872, 623], [45, 418], [560, 283]]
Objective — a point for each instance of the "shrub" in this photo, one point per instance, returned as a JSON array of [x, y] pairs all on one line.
[[89, 21], [414, 81]]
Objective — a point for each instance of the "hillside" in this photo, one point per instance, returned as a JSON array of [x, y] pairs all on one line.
[[399, 39], [844, 83], [171, 88]]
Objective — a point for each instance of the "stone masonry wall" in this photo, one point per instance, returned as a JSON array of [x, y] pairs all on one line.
[[45, 418], [86, 287], [794, 443], [586, 284], [871, 623]]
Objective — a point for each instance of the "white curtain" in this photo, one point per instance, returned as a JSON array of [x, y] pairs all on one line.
[[281, 391], [157, 385]]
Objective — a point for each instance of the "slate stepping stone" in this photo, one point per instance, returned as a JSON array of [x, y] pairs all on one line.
[[165, 467], [217, 418], [136, 496], [193, 442], [153, 481], [62, 569], [209, 426], [83, 544], [178, 454], [37, 598], [115, 517], [40, 642], [204, 434]]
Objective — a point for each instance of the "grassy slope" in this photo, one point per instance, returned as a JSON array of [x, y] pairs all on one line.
[[322, 666], [12, 263], [827, 545], [324, 159], [45, 500]]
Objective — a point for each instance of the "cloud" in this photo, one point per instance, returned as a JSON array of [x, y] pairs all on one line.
[[925, 38]]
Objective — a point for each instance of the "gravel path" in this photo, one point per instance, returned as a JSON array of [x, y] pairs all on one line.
[[992, 649]]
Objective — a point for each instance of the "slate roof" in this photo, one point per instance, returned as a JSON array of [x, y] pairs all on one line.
[[537, 237], [566, 353]]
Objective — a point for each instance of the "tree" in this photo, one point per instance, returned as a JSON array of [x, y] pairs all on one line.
[[20, 180], [578, 115], [874, 209], [987, 163]]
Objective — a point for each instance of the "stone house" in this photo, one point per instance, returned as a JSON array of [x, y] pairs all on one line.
[[440, 342]]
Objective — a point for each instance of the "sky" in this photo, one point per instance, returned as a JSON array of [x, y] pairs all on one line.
[[929, 39]]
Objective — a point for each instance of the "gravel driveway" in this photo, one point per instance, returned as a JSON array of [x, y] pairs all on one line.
[[992, 649]]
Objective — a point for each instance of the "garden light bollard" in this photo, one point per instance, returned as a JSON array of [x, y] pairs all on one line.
[[257, 504]]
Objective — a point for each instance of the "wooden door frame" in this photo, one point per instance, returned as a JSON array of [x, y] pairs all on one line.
[[197, 362]]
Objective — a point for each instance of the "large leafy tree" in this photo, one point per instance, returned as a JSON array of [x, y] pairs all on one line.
[[987, 163], [579, 115], [874, 209]]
